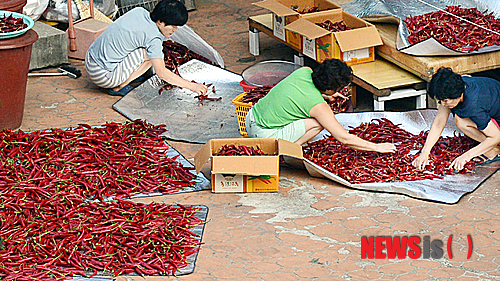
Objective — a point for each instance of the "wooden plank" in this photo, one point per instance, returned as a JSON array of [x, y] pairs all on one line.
[[424, 67], [384, 75]]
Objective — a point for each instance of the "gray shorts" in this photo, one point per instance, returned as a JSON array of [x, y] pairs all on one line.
[[291, 132], [110, 79]]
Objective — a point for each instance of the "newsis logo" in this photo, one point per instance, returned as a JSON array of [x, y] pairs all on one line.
[[398, 247]]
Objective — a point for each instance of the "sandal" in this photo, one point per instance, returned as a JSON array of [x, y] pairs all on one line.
[[122, 92], [142, 78], [483, 160]]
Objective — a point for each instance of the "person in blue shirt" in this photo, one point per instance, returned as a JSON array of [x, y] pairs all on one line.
[[475, 105], [133, 44]]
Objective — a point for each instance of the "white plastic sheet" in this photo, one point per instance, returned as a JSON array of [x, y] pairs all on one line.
[[57, 10], [186, 36], [35, 8]]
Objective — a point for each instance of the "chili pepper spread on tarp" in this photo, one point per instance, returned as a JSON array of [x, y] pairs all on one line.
[[57, 236], [116, 160], [454, 32], [367, 167], [56, 217]]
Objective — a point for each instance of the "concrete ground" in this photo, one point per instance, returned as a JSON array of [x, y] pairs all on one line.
[[312, 228]]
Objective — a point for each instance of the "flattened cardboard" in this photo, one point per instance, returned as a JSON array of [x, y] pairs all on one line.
[[245, 165], [289, 149], [276, 7], [365, 37], [306, 28], [283, 7]]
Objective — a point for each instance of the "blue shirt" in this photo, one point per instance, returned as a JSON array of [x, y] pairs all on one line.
[[131, 31], [481, 101]]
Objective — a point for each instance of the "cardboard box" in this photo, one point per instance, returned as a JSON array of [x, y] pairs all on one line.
[[283, 14], [353, 46], [246, 173]]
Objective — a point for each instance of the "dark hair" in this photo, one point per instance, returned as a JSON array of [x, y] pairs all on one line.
[[170, 12], [446, 84], [332, 74]]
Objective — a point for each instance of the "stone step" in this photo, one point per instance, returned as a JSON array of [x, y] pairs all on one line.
[[51, 48]]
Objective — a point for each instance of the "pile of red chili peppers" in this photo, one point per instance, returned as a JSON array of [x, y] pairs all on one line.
[[239, 150], [11, 24], [305, 10], [364, 167], [334, 26], [116, 160], [56, 217], [255, 94], [452, 31]]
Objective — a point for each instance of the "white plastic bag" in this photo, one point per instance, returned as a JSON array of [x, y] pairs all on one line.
[[57, 10], [35, 8], [186, 36]]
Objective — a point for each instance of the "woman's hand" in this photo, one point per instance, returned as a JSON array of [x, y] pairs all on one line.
[[385, 148], [330, 98], [421, 161], [339, 95], [200, 89], [459, 163]]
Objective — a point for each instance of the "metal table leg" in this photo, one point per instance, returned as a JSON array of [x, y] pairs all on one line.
[[253, 41]]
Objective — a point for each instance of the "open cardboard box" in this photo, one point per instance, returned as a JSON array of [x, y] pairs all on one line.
[[283, 14], [246, 173], [353, 46]]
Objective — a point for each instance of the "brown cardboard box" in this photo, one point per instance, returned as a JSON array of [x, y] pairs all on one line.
[[351, 46], [246, 173], [283, 14]]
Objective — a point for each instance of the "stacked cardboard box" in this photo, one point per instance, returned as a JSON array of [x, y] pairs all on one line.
[[286, 11], [353, 46]]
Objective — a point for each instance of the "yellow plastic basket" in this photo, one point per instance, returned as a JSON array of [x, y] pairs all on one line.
[[241, 112]]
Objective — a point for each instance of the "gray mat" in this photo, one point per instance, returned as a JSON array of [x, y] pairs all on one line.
[[447, 190], [181, 112]]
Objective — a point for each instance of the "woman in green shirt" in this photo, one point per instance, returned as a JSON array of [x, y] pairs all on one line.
[[295, 109]]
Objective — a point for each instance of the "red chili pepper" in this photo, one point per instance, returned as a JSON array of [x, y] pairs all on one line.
[[359, 167], [453, 32], [239, 150]]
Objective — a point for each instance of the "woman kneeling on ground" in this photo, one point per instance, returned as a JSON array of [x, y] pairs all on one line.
[[475, 104], [295, 109], [132, 44]]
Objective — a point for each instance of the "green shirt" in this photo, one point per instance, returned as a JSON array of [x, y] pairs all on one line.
[[290, 100]]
